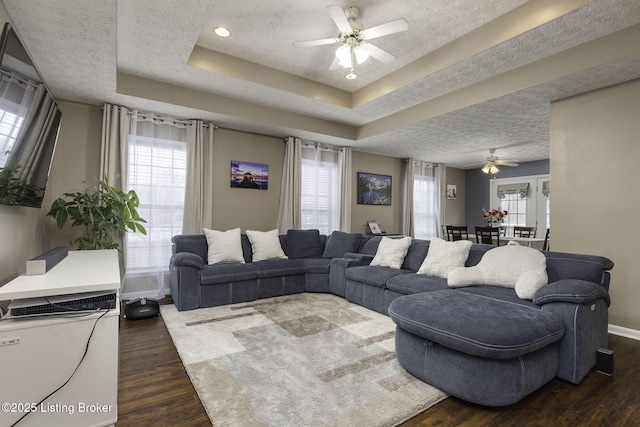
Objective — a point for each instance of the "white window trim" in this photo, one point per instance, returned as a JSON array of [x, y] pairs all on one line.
[[536, 214]]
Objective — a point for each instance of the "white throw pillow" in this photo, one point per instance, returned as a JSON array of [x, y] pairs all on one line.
[[511, 266], [391, 252], [444, 256], [265, 245], [224, 246]]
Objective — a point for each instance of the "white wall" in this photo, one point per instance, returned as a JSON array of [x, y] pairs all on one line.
[[595, 155]]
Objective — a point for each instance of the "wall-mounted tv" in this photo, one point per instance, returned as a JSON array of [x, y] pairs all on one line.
[[29, 125]]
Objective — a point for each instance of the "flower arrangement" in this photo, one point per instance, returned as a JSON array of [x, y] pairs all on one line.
[[494, 216]]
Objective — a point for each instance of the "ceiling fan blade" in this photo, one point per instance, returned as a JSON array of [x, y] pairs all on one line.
[[378, 53], [338, 16], [335, 64], [506, 163], [315, 42], [384, 29]]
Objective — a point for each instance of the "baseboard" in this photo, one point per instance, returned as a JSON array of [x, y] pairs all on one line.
[[624, 332]]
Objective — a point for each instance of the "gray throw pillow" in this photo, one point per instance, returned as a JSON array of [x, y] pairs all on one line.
[[304, 244], [340, 243]]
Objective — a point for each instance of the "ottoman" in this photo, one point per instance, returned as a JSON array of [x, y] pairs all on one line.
[[485, 351]]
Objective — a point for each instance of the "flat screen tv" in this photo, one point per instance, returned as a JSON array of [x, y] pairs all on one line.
[[29, 125]]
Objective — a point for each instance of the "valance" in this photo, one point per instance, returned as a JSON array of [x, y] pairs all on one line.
[[546, 187], [521, 189]]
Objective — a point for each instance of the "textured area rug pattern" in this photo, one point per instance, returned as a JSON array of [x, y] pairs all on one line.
[[298, 360]]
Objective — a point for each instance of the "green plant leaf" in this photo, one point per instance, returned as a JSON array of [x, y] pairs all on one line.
[[104, 211]]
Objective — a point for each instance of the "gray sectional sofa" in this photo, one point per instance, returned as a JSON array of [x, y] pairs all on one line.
[[481, 343]]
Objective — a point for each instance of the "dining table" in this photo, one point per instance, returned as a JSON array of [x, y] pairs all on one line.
[[532, 242]]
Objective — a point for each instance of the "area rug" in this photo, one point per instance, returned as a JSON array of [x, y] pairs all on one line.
[[298, 360]]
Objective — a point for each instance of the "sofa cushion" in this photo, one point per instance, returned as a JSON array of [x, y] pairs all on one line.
[[391, 252], [476, 253], [317, 265], [416, 283], [340, 243], [223, 246], [415, 255], [279, 267], [370, 247], [304, 244], [475, 324], [511, 266], [445, 256], [227, 273], [375, 276], [265, 245]]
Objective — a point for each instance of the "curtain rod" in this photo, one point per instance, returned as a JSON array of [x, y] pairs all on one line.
[[322, 147], [433, 165], [20, 79], [186, 122]]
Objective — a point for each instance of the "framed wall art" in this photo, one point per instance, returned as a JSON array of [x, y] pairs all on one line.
[[451, 191], [249, 175], [374, 189]]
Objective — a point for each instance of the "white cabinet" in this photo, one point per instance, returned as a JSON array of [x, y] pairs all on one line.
[[40, 355]]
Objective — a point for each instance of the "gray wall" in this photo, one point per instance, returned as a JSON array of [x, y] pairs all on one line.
[[477, 188]]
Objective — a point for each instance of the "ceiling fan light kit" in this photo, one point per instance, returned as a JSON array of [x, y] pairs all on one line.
[[492, 162], [354, 38]]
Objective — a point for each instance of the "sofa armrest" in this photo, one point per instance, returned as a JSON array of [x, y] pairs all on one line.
[[184, 280], [337, 272], [187, 259], [571, 291]]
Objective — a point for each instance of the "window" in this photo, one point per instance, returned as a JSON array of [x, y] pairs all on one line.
[[319, 200], [516, 207], [525, 199], [424, 202], [157, 173]]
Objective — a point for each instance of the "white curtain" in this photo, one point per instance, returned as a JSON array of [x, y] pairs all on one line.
[[425, 200], [345, 185], [407, 198], [157, 172], [289, 212], [320, 200], [198, 199], [440, 172], [116, 123]]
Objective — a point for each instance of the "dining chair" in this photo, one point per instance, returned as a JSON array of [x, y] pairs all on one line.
[[487, 235], [545, 246], [524, 231], [457, 232], [444, 232]]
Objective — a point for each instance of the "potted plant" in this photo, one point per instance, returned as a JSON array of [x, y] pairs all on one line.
[[105, 211]]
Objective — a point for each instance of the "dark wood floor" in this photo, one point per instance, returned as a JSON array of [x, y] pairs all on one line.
[[154, 390]]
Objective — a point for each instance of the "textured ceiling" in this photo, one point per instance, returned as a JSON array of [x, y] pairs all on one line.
[[469, 75]]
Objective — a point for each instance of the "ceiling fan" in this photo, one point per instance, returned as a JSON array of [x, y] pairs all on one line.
[[492, 162], [354, 39]]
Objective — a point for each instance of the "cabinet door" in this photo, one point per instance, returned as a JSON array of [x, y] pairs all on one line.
[[48, 352]]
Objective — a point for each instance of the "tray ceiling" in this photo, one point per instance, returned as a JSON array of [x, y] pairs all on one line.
[[468, 75]]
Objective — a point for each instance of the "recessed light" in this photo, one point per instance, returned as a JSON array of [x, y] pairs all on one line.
[[222, 31]]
